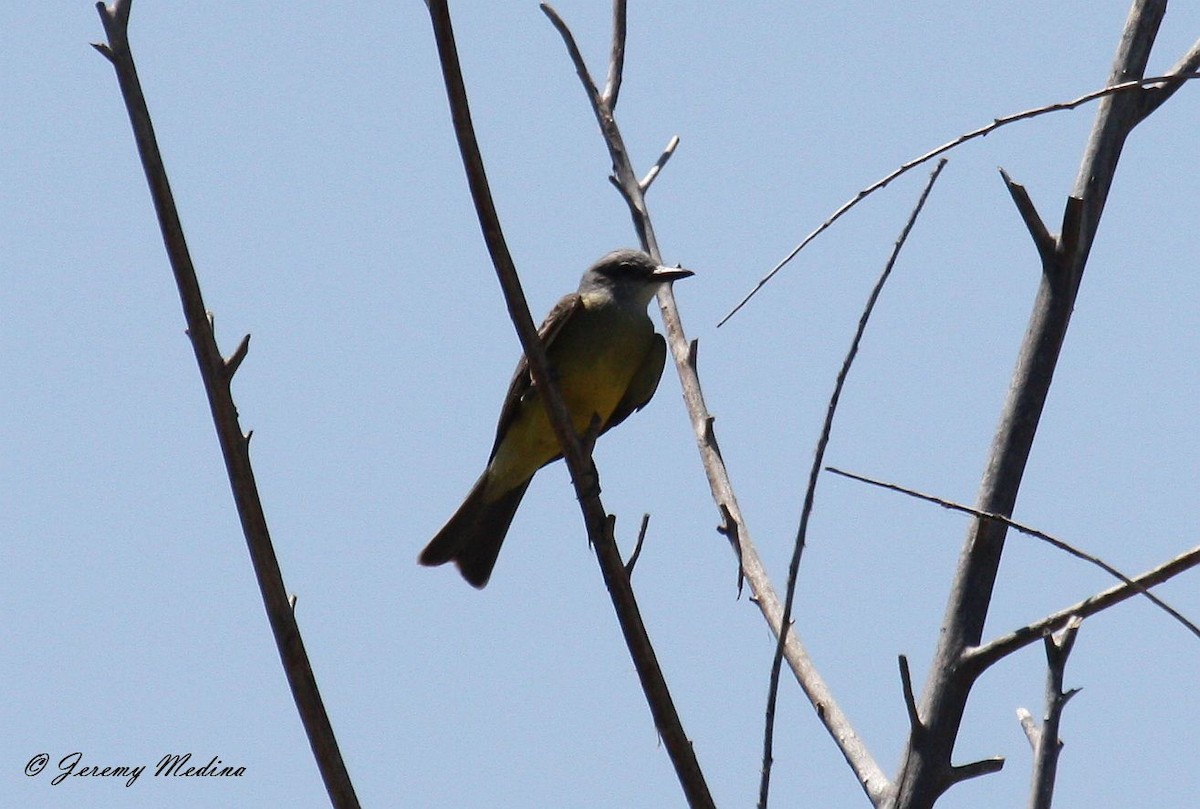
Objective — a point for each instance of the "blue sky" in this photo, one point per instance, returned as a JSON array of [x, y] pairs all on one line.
[[311, 155]]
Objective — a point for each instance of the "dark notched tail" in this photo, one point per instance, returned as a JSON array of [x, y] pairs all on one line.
[[473, 536]]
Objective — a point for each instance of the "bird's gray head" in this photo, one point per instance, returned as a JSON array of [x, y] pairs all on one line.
[[628, 275]]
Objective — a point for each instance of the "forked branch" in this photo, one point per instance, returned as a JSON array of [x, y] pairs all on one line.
[[926, 770], [1047, 744]]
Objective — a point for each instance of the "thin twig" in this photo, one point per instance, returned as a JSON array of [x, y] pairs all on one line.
[[983, 656], [637, 549], [1183, 72], [653, 173], [815, 472], [235, 359], [662, 707], [1028, 531], [216, 374]]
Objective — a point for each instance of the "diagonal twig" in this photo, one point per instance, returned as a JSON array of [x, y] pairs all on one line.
[[653, 173], [637, 548], [217, 374], [1163, 86], [1028, 531]]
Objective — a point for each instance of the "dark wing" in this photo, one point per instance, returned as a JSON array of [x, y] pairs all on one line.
[[522, 381], [644, 383]]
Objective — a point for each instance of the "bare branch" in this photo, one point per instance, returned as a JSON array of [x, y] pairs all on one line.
[[750, 566], [1049, 744], [815, 471], [926, 770], [1046, 243], [216, 373], [910, 699], [986, 766], [637, 549], [235, 359], [980, 657], [623, 178], [1028, 531], [1172, 80], [616, 60], [576, 55], [600, 528], [652, 174]]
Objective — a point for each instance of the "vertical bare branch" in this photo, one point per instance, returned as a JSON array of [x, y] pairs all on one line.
[[616, 60], [599, 527], [1048, 742], [217, 373], [926, 770]]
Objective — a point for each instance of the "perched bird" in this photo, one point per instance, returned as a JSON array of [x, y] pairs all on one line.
[[607, 360]]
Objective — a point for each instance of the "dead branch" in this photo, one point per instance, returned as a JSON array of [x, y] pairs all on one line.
[[217, 374], [1048, 743], [926, 770], [980, 657]]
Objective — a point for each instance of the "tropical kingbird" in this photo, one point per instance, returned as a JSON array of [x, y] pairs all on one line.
[[607, 360]]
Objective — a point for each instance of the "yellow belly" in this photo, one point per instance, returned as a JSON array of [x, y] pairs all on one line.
[[594, 363]]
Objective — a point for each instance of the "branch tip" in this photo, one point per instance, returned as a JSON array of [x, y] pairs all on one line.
[[1043, 240], [1032, 733], [973, 655], [1183, 72], [104, 50], [910, 699], [637, 548], [235, 359], [654, 171], [987, 766], [616, 61]]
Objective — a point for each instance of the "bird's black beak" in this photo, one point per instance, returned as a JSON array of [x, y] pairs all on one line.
[[667, 274]]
